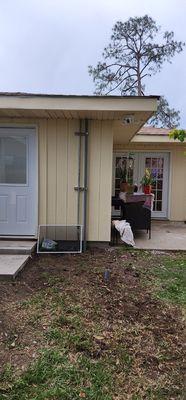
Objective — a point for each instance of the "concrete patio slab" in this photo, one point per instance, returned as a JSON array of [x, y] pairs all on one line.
[[166, 235], [17, 246], [10, 265]]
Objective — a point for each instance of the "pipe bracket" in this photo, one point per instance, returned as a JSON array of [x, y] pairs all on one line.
[[81, 133], [80, 188]]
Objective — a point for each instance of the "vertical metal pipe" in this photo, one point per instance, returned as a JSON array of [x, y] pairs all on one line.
[[79, 174], [85, 186]]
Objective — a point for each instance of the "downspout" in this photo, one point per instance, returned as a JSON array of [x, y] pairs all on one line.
[[82, 152], [85, 186], [79, 174]]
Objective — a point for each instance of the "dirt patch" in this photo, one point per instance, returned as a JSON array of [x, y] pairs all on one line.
[[109, 292]]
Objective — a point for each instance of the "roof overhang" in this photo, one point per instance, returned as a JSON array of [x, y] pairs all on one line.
[[152, 139], [115, 108], [155, 139]]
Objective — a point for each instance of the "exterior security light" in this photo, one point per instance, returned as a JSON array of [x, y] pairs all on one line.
[[128, 119]]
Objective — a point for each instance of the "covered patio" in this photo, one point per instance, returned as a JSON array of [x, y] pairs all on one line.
[[166, 235], [153, 149]]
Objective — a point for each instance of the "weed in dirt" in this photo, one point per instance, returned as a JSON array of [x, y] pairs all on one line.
[[6, 374], [62, 320], [74, 309], [123, 359], [77, 341], [35, 318], [54, 334], [36, 300]]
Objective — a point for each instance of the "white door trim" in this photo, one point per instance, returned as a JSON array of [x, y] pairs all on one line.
[[34, 127]]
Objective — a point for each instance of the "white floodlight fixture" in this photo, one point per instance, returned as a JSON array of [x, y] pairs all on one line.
[[128, 119]]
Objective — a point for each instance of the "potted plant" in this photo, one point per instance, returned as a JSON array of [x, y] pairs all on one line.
[[122, 174], [147, 181]]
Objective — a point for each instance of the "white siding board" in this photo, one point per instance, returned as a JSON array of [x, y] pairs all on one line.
[[52, 172], [61, 187], [94, 180], [72, 172], [105, 181], [42, 155]]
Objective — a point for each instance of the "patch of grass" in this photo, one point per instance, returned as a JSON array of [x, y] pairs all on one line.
[[74, 322], [54, 334], [171, 281], [37, 300], [6, 375], [53, 376], [125, 359], [54, 280], [35, 318], [75, 309], [76, 341], [163, 393]]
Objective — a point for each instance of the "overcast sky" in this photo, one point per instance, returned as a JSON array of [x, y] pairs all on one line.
[[47, 45]]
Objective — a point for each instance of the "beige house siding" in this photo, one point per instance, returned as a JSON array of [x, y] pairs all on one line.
[[178, 185], [177, 173], [58, 173], [100, 180]]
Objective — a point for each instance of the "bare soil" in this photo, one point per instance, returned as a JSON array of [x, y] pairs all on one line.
[[114, 289]]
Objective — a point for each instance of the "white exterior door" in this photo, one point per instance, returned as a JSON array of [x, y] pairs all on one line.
[[18, 181], [136, 163], [158, 163]]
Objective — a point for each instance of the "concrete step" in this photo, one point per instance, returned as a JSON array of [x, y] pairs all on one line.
[[10, 265], [17, 246]]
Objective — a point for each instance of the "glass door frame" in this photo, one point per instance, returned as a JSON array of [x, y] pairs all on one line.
[[139, 168], [165, 191], [136, 166]]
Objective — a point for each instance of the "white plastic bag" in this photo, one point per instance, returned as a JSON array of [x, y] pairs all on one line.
[[48, 244]]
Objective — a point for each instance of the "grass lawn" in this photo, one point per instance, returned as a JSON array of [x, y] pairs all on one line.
[[104, 325]]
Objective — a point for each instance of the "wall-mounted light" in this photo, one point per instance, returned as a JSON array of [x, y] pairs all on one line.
[[127, 119], [130, 119]]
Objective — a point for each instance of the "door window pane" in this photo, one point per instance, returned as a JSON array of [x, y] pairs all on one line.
[[160, 185], [156, 165], [13, 160], [154, 162], [159, 206], [148, 162], [160, 162], [124, 171], [159, 195]]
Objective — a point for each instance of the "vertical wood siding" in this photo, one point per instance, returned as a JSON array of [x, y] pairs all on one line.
[[58, 174], [178, 186]]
